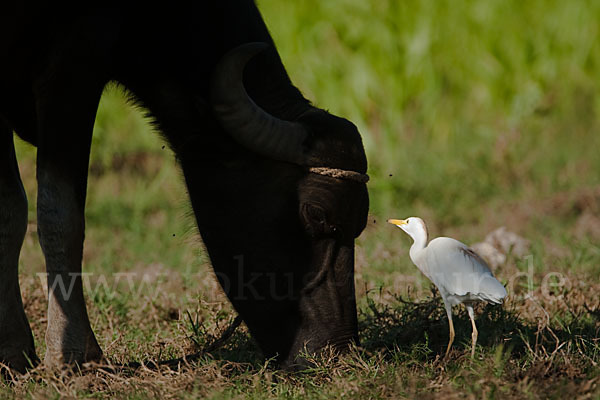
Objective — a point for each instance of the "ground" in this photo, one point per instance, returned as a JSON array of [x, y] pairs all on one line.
[[474, 115]]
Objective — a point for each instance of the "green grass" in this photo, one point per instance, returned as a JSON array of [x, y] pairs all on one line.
[[475, 115]]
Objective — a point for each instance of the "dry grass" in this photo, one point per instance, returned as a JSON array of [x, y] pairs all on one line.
[[536, 346]]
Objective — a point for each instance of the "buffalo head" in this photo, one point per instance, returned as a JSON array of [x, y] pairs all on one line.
[[284, 250]]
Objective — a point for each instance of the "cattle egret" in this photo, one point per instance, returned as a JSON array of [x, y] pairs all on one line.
[[458, 272]]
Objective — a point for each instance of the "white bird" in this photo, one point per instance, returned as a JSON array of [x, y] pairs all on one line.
[[458, 272]]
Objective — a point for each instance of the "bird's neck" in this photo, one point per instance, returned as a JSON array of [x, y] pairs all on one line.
[[419, 244]]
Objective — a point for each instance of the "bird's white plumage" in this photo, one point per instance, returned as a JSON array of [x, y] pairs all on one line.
[[458, 272]]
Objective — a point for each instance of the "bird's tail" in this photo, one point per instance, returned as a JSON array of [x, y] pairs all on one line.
[[492, 290]]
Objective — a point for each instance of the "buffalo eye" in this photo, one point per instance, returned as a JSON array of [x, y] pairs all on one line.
[[315, 221]]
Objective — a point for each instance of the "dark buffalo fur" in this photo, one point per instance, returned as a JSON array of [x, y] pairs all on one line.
[[281, 240]]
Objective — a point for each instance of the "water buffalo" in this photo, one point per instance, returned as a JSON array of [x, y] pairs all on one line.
[[277, 185]]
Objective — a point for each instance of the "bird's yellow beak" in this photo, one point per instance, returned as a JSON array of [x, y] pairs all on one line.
[[397, 222]]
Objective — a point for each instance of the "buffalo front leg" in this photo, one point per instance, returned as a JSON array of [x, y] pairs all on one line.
[[65, 129], [16, 341]]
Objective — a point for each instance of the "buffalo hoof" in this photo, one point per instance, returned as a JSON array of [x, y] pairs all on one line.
[[71, 355], [18, 360], [17, 349]]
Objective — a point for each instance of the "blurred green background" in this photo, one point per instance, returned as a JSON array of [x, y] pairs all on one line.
[[461, 101]]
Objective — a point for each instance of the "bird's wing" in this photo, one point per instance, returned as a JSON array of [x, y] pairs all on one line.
[[460, 271]]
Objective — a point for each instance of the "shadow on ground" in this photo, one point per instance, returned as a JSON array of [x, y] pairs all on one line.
[[417, 331], [421, 329]]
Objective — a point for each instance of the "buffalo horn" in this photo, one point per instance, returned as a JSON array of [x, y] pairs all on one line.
[[243, 119]]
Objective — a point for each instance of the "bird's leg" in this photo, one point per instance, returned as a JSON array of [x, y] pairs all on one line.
[[451, 324], [451, 337], [474, 334]]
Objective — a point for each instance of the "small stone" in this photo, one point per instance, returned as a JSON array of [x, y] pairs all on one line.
[[490, 254]]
